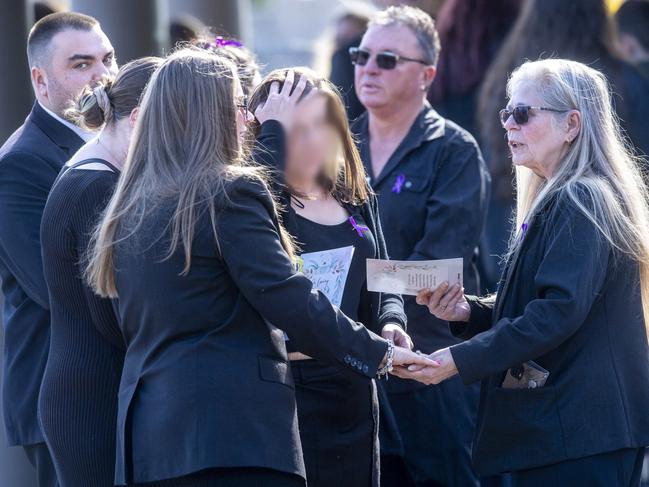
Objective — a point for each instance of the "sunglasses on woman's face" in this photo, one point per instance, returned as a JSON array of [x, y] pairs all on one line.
[[384, 60], [521, 113]]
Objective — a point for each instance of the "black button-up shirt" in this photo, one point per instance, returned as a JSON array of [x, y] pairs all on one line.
[[433, 195]]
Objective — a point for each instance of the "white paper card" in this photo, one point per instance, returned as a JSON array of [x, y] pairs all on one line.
[[411, 276], [328, 271]]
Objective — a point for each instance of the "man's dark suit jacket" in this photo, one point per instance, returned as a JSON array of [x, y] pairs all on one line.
[[572, 304], [30, 160]]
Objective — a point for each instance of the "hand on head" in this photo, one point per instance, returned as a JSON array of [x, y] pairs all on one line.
[[446, 302], [280, 104]]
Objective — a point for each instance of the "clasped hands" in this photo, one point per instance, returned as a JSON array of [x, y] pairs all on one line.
[[446, 303]]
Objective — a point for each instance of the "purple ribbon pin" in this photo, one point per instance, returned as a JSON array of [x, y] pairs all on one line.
[[360, 229], [398, 183], [523, 229], [222, 42]]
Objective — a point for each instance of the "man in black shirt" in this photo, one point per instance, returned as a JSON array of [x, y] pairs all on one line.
[[66, 52], [432, 186]]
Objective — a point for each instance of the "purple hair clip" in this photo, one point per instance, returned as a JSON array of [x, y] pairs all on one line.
[[360, 229], [222, 42], [398, 183]]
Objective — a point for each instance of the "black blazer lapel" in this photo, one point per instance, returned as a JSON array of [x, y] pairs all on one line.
[[58, 133]]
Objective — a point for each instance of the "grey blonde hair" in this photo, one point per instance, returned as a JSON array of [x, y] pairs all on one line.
[[184, 149], [598, 163], [419, 22]]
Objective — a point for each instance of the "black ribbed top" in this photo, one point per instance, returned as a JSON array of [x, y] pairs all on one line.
[[78, 400]]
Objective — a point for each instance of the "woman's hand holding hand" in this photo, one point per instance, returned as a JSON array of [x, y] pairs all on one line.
[[399, 337], [446, 303], [403, 358], [280, 105], [444, 369]]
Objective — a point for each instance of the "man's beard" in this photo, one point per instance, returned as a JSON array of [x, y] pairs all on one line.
[[61, 99]]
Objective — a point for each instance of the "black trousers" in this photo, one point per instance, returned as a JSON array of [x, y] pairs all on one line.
[[436, 425], [232, 477], [621, 468], [39, 456]]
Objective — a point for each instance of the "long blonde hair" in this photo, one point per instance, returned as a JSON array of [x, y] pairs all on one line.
[[183, 150], [599, 163]]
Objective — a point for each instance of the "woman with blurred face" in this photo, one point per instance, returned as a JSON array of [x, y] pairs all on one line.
[[328, 205], [562, 349]]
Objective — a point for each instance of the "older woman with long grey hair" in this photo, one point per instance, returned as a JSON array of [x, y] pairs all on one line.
[[561, 349]]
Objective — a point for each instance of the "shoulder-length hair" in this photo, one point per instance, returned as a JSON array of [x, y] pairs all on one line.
[[345, 178], [598, 164], [183, 150]]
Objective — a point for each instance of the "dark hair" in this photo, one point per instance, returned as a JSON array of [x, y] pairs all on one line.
[[241, 56], [579, 30], [470, 33], [633, 18], [113, 99], [346, 179], [46, 28]]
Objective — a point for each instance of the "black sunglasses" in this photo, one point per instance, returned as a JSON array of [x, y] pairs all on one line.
[[242, 104], [384, 60], [521, 113]]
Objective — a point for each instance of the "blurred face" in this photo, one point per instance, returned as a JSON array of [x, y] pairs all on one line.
[[540, 143], [389, 88], [243, 115], [75, 59], [311, 142]]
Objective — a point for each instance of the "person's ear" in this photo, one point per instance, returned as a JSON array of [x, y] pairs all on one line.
[[39, 80], [132, 118], [573, 125], [428, 76]]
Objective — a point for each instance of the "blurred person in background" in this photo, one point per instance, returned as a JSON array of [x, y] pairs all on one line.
[[351, 24], [327, 204], [242, 57], [78, 399], [66, 52], [580, 30], [433, 187], [471, 32], [632, 20], [561, 349]]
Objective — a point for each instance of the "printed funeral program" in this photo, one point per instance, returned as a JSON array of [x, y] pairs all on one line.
[[411, 276], [328, 271]]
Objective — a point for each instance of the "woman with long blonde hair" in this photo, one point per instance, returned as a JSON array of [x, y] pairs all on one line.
[[327, 204], [562, 349], [192, 246]]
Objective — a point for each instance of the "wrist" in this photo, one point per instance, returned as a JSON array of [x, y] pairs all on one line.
[[386, 364]]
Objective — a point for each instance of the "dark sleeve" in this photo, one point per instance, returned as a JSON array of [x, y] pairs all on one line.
[[567, 281], [269, 152], [251, 249], [391, 305], [91, 204], [456, 205], [479, 320], [25, 181]]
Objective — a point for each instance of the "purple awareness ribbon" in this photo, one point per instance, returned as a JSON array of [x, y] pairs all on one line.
[[398, 183], [222, 42], [523, 230], [360, 229]]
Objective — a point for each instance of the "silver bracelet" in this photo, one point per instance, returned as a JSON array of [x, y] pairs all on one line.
[[383, 371]]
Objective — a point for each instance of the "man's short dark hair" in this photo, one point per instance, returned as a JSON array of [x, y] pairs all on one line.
[[45, 29], [633, 18]]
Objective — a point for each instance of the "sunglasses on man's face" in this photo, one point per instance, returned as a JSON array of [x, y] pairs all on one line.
[[521, 113], [384, 60]]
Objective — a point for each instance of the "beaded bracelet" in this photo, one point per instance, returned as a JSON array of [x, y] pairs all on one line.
[[383, 371]]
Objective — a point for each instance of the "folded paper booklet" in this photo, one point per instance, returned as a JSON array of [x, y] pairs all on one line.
[[328, 270], [411, 276]]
